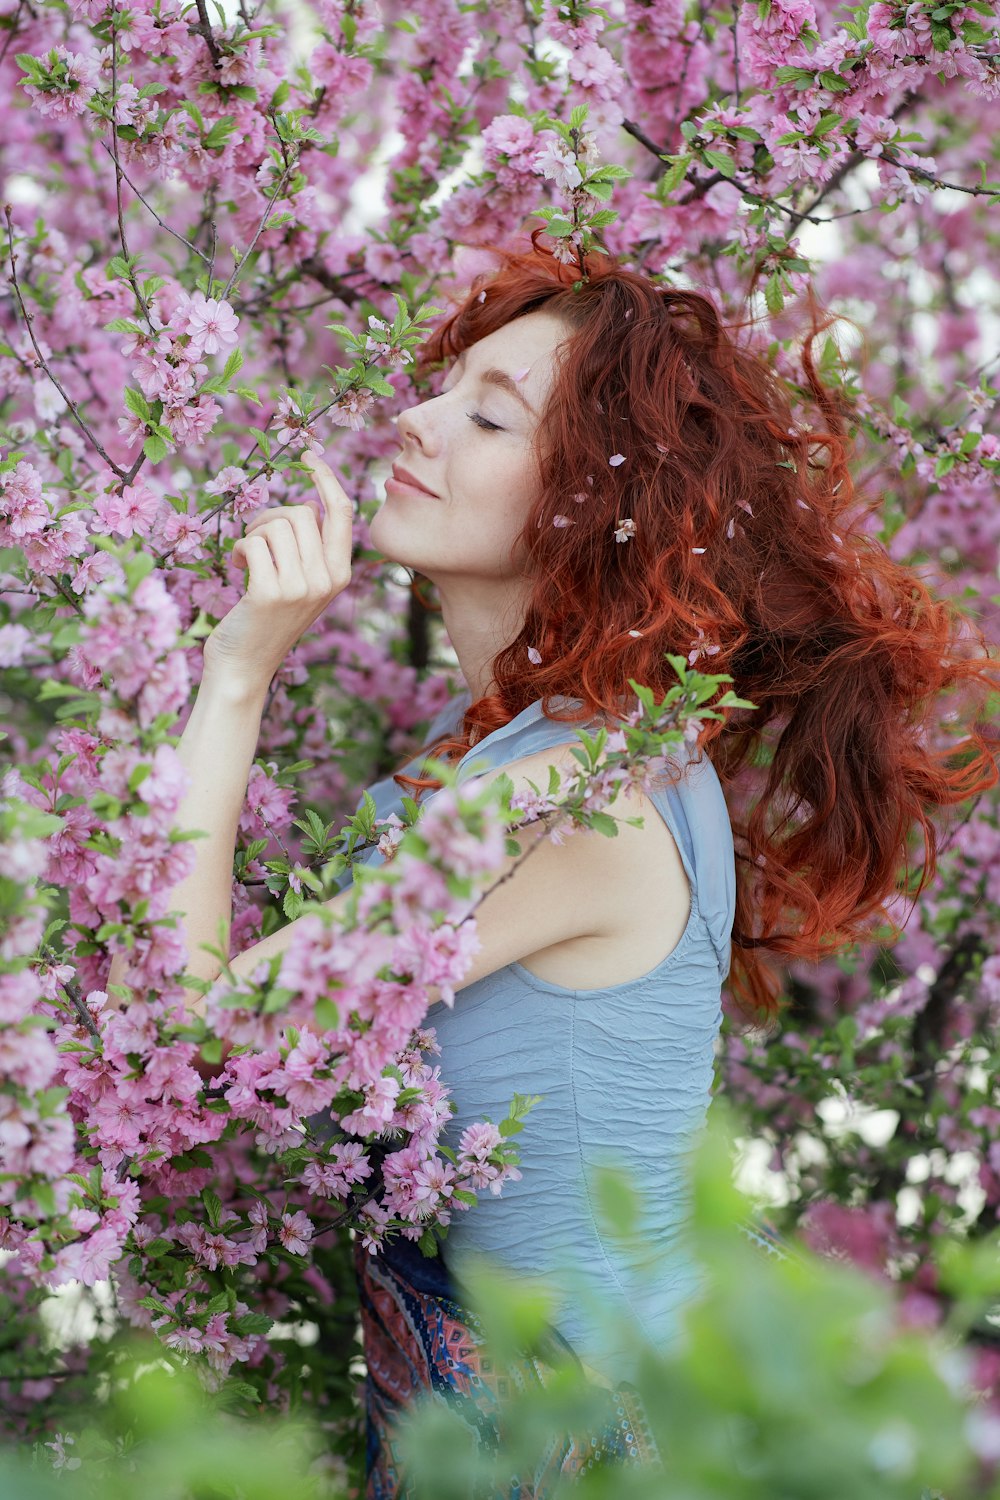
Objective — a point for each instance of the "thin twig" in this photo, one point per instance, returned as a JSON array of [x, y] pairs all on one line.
[[41, 358], [13, 30], [118, 172], [68, 596], [644, 140], [82, 1009], [204, 29], [240, 267], [162, 223]]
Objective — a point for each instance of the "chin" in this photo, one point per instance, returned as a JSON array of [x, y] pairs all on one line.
[[386, 538]]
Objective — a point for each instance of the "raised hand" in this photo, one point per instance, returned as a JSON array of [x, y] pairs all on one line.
[[295, 568]]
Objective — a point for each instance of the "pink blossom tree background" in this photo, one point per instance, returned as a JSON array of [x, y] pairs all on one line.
[[204, 213]]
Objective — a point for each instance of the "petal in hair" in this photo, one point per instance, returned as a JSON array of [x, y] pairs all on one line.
[[534, 656], [625, 530], [616, 459], [563, 521]]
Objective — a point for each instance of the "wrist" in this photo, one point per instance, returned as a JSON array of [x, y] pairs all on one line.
[[232, 686]]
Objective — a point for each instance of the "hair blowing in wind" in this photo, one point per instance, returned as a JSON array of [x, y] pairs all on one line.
[[748, 536]]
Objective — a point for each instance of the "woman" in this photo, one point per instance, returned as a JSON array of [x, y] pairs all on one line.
[[604, 477]]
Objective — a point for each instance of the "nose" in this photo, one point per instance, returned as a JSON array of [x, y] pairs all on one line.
[[412, 425]]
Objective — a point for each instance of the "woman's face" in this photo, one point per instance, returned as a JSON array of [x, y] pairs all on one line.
[[472, 447]]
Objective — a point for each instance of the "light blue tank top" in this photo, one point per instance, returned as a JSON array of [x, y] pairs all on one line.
[[624, 1073]]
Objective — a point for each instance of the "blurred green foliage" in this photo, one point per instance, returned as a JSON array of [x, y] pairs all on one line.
[[794, 1380]]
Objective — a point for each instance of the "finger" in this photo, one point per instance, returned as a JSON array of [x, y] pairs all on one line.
[[338, 522], [262, 581], [284, 547], [304, 524]]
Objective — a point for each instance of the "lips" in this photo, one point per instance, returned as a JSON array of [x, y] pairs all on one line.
[[405, 477]]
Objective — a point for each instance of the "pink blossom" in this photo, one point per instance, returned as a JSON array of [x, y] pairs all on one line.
[[439, 957], [130, 513], [211, 324], [75, 78], [556, 162], [295, 1232], [23, 511], [349, 408], [376, 1111], [88, 1260]]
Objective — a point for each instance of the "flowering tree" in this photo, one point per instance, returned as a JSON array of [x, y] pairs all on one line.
[[203, 214]]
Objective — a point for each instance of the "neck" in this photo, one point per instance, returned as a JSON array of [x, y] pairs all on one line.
[[482, 616]]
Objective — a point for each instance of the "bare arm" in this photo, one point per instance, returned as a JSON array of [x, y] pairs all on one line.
[[294, 571], [217, 750]]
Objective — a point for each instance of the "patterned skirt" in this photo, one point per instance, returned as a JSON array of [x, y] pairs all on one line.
[[420, 1342]]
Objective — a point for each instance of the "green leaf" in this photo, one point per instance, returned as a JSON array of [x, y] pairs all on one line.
[[136, 403], [212, 1206], [326, 1013], [674, 175], [251, 1322], [155, 448], [826, 123], [292, 904], [721, 163]]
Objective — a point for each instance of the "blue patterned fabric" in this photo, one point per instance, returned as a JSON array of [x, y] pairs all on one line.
[[623, 1071]]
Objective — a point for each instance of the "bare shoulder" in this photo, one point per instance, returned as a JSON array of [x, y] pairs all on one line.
[[641, 858], [596, 909]]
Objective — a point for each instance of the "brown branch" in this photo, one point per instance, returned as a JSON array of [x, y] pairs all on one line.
[[240, 265], [956, 187], [28, 318], [67, 595], [204, 29], [82, 1009], [634, 130], [930, 1022], [847, 166], [13, 30], [118, 172], [163, 225]]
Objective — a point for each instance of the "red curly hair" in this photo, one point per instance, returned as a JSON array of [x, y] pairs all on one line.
[[743, 540]]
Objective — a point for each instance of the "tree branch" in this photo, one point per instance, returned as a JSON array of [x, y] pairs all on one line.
[[28, 319]]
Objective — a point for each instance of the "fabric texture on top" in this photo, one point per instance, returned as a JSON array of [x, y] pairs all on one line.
[[624, 1073]]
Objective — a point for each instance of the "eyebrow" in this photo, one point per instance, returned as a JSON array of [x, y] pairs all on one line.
[[503, 382]]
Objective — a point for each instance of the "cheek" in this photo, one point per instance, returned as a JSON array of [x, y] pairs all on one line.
[[515, 487]]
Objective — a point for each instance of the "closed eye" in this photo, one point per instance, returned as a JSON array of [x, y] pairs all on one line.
[[483, 422]]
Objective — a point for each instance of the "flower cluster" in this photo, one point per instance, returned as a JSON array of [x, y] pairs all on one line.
[[144, 336]]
